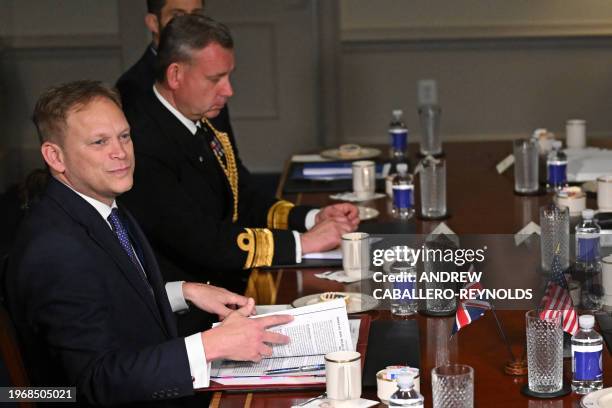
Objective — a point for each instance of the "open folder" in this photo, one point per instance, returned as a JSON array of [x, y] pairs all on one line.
[[315, 331]]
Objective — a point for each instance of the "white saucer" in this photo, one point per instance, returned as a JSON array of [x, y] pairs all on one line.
[[598, 399], [358, 302], [367, 213], [363, 153]]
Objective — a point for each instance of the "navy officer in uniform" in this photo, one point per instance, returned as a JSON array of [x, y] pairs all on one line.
[[211, 221]]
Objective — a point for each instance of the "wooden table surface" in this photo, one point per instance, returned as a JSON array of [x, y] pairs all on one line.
[[480, 201]]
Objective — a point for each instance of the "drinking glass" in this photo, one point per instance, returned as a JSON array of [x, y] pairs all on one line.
[[431, 142], [433, 188], [526, 166], [439, 305], [544, 351], [554, 224], [452, 386], [401, 282]]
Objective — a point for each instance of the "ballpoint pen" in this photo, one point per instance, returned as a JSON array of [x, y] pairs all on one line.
[[314, 367]]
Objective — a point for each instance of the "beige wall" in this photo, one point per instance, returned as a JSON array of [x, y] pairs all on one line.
[[46, 42], [436, 17], [503, 68]]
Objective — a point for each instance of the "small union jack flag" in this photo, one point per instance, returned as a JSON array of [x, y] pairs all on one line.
[[470, 309], [557, 298]]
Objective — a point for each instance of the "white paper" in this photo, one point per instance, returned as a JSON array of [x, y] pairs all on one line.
[[505, 164], [269, 380], [355, 325], [263, 309], [324, 402], [308, 158], [588, 163], [341, 276], [443, 229], [523, 234], [315, 331], [350, 196], [333, 254], [229, 369]]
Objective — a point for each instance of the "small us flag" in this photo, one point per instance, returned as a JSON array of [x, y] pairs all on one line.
[[469, 310], [557, 299]]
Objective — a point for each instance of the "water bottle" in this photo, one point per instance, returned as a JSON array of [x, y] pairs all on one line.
[[403, 193], [588, 261], [399, 138], [587, 345], [406, 395], [556, 168]]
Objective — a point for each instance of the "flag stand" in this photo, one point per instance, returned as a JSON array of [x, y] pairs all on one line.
[[516, 367]]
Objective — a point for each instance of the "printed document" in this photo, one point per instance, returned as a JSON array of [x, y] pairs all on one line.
[[315, 331]]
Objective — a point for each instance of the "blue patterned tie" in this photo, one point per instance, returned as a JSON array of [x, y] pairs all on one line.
[[124, 240]]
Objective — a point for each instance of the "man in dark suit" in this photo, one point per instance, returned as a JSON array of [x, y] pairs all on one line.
[[139, 79], [211, 217], [83, 286]]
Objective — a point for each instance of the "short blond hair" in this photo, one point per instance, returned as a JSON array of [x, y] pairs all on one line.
[[55, 103]]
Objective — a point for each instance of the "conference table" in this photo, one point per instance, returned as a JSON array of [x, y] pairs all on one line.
[[480, 201]]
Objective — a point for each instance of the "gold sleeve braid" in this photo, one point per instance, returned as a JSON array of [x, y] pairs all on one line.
[[278, 215], [259, 245], [230, 169]]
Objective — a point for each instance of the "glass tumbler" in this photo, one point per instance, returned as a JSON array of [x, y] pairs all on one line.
[[554, 223], [431, 142], [526, 166], [544, 350], [452, 386], [433, 188], [401, 282]]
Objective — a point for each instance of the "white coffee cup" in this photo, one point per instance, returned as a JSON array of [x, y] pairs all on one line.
[[356, 254], [364, 178], [343, 375], [604, 193], [575, 133]]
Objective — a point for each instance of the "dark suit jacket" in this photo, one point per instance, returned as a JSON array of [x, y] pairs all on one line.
[[184, 203], [84, 316], [139, 79]]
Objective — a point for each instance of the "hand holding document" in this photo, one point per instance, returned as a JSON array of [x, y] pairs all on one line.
[[315, 331]]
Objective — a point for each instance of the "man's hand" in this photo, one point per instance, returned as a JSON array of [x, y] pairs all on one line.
[[242, 339], [212, 299], [343, 212], [324, 236]]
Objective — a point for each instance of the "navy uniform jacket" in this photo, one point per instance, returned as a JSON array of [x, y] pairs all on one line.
[[184, 202], [84, 315]]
